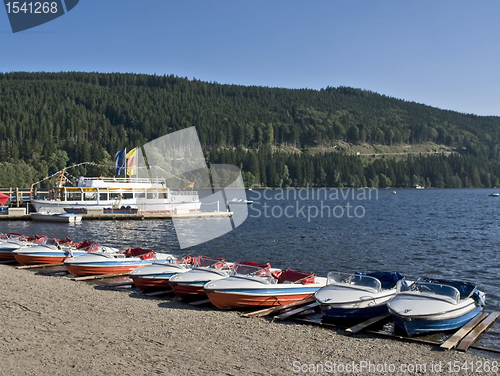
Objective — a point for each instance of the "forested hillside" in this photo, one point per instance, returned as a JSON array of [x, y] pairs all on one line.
[[280, 137]]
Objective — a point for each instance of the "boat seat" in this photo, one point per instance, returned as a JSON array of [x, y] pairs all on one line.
[[133, 252], [148, 256], [292, 276]]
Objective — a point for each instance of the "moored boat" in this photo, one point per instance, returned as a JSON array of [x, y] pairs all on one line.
[[50, 251], [259, 286], [356, 295], [12, 242], [156, 277], [114, 261], [145, 195], [190, 284], [434, 305], [56, 217]]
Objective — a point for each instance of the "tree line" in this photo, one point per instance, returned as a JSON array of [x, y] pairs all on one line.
[[51, 120]]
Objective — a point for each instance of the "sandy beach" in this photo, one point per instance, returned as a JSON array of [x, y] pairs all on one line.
[[55, 326]]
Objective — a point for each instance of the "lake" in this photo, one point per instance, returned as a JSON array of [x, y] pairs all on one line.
[[439, 233]]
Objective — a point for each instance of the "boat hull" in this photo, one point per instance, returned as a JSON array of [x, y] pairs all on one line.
[[240, 292], [7, 252], [189, 290], [26, 259], [80, 270], [414, 326], [333, 313], [246, 301], [151, 284], [44, 255]]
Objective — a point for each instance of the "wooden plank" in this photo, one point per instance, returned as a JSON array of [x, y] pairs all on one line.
[[39, 266], [317, 320], [365, 324], [295, 311], [463, 331], [98, 276], [200, 302], [268, 311], [477, 331]]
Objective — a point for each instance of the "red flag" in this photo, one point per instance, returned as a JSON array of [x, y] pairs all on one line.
[[3, 198]]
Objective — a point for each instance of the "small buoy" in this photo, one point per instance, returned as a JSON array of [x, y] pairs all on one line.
[[393, 192]]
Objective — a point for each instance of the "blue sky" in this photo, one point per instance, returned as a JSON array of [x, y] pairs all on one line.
[[444, 53]]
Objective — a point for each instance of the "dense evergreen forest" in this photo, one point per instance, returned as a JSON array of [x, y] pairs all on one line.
[[279, 137]]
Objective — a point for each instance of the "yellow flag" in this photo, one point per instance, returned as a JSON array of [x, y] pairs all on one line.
[[190, 185], [131, 162]]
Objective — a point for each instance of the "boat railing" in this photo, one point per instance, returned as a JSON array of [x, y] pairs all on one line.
[[185, 193], [87, 181], [354, 280]]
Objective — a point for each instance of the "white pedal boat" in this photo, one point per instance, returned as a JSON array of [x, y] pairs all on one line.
[[434, 305], [259, 286], [357, 295], [190, 284], [114, 261]]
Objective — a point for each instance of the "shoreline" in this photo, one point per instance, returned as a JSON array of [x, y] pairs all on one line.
[[55, 326]]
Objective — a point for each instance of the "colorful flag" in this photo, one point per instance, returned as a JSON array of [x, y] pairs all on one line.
[[131, 162], [190, 185], [120, 162]]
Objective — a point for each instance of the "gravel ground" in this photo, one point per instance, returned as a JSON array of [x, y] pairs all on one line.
[[55, 326]]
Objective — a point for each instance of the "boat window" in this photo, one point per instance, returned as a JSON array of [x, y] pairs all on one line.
[[114, 195], [47, 241], [74, 196], [205, 262], [103, 196], [152, 195], [90, 196], [354, 280], [140, 195], [128, 196], [243, 270], [436, 290]]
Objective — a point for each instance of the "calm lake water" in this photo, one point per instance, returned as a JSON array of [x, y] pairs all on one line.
[[440, 233]]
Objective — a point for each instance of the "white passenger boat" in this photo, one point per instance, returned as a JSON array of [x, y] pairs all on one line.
[[147, 195]]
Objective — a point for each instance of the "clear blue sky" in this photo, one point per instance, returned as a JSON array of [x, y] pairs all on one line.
[[442, 53]]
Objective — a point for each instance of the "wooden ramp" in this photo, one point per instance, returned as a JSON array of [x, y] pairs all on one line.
[[483, 322], [473, 336], [296, 311], [463, 331], [39, 266], [99, 276], [279, 308], [365, 324]]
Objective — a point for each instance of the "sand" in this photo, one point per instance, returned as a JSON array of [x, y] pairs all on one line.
[[55, 326]]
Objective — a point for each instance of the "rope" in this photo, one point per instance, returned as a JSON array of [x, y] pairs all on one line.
[[97, 165]]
